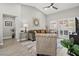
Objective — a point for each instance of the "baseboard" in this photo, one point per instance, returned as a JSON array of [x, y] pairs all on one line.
[[7, 37], [42, 55]]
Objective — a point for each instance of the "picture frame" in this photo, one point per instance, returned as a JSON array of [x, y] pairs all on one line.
[[61, 32], [8, 23], [65, 32], [36, 22]]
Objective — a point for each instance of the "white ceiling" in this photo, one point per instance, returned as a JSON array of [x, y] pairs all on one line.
[[60, 6]]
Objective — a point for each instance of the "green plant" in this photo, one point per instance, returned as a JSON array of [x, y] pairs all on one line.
[[66, 43], [76, 49]]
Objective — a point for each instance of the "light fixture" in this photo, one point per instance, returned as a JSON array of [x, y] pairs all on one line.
[[50, 6], [25, 25]]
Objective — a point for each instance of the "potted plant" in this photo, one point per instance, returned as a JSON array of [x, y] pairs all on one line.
[[76, 49], [67, 44], [73, 49]]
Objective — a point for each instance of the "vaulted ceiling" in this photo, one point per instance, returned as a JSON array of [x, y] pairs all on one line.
[[60, 6]]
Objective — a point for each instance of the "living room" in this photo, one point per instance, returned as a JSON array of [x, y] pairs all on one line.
[[34, 23]]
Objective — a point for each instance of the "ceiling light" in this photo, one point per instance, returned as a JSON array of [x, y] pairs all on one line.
[[45, 8], [50, 6]]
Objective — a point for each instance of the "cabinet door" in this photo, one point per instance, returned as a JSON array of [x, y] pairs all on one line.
[[23, 36]]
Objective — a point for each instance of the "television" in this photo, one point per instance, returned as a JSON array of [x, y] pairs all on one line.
[[75, 39]]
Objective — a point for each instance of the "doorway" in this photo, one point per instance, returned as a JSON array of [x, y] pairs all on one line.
[[8, 27]]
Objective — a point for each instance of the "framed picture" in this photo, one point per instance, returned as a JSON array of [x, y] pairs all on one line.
[[36, 22], [8, 23], [61, 32], [65, 32]]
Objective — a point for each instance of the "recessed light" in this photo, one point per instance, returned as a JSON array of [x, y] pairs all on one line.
[[45, 8]]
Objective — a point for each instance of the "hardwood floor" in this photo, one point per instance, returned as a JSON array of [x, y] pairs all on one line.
[[13, 48]]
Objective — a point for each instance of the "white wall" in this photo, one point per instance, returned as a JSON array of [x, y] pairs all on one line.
[[64, 14], [27, 15], [9, 8], [1, 30]]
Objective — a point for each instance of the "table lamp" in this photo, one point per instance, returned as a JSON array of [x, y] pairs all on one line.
[[26, 27]]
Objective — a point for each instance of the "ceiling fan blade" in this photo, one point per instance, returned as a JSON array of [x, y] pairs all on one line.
[[49, 5], [55, 7], [52, 4]]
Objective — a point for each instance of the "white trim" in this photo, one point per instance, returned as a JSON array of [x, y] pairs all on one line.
[[18, 40]]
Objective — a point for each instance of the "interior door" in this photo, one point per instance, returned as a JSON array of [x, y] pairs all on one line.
[[8, 26]]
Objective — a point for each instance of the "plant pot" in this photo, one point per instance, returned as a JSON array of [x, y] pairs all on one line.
[[70, 53]]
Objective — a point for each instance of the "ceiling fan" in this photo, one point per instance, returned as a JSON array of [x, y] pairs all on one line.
[[51, 6]]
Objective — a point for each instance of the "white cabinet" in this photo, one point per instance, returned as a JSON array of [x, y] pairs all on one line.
[[23, 36]]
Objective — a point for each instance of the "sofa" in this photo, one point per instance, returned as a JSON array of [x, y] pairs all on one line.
[[32, 33]]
